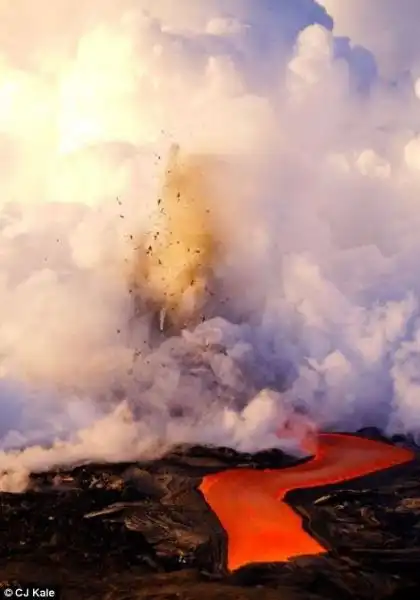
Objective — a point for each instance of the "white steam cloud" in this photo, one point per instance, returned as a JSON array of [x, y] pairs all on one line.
[[319, 134]]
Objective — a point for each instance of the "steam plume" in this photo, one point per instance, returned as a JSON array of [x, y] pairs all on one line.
[[298, 175]]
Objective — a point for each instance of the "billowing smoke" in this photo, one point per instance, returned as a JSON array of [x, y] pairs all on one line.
[[298, 190]]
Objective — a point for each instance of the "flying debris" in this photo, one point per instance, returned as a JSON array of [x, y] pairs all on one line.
[[174, 263]]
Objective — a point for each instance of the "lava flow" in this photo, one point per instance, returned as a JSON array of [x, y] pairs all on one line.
[[250, 505]]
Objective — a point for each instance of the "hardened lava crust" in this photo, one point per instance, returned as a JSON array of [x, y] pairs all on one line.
[[145, 531]]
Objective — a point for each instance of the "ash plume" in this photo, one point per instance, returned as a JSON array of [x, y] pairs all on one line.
[[208, 228], [174, 263]]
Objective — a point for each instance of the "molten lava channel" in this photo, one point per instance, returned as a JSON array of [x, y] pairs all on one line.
[[260, 526]]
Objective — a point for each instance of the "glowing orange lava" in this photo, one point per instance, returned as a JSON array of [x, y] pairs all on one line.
[[259, 525]]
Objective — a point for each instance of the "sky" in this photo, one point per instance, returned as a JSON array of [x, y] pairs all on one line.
[[312, 109]]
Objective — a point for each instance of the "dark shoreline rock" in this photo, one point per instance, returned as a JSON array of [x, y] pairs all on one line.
[[143, 530]]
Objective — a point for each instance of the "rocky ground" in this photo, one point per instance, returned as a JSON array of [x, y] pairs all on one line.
[[125, 532]]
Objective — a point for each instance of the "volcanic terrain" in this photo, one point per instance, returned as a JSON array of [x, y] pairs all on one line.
[[144, 530]]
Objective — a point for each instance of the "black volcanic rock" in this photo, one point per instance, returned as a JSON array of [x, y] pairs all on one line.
[[137, 531]]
